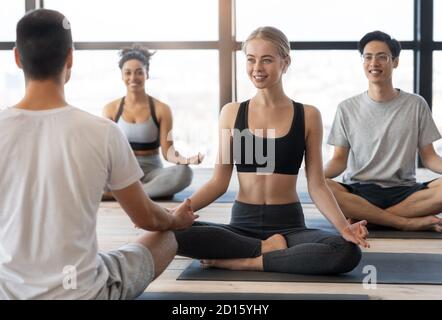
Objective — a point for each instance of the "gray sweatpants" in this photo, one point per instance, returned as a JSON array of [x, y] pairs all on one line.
[[159, 181]]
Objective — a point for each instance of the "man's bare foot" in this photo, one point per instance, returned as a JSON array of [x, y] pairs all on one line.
[[432, 223], [273, 243], [254, 264]]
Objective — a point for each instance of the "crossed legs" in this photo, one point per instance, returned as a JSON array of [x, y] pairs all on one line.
[[416, 212]]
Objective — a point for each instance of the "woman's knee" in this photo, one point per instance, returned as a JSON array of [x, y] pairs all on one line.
[[348, 257], [184, 175]]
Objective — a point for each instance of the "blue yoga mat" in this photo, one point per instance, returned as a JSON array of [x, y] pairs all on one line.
[[390, 268]]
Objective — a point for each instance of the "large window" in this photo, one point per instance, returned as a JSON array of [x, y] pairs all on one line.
[[135, 20], [186, 80], [325, 20], [185, 71], [324, 78], [10, 12]]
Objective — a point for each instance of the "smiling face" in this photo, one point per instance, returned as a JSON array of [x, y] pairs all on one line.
[[134, 75], [265, 66], [378, 62]]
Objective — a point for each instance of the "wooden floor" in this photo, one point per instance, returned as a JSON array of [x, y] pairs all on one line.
[[115, 229]]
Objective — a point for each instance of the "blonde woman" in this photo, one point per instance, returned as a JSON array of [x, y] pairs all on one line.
[[266, 138]]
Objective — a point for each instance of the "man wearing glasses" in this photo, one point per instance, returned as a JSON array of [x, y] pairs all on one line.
[[376, 135]]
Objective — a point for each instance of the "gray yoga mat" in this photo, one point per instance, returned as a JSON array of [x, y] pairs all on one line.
[[375, 231], [229, 196], [391, 268], [247, 296]]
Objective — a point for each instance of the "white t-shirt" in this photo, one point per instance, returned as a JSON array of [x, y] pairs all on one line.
[[53, 168]]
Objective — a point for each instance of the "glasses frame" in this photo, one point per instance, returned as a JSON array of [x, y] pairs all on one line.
[[383, 58]]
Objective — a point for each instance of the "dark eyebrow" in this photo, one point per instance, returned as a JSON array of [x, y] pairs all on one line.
[[382, 52], [128, 69]]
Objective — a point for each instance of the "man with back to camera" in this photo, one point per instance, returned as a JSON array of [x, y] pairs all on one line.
[[56, 162]]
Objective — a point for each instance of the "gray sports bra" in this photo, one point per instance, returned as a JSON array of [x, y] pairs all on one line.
[[141, 136]]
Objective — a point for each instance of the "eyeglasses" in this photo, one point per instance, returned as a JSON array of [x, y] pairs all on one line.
[[380, 57]]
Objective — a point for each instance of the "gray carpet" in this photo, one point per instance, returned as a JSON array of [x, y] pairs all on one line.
[[391, 268]]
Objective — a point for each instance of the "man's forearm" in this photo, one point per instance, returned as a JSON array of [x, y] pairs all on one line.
[[333, 169], [434, 164]]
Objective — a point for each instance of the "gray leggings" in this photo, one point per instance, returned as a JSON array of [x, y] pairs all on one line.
[[310, 251], [163, 182]]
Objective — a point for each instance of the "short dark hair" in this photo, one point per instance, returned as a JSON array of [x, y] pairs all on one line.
[[43, 42], [393, 44], [136, 52]]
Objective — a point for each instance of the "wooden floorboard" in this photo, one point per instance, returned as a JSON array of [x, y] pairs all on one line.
[[114, 229]]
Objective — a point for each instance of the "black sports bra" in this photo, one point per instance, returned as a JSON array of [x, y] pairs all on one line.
[[269, 155]]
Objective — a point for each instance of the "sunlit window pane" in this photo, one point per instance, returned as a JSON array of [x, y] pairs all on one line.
[[437, 95], [316, 20], [437, 20], [140, 20], [12, 82], [10, 12]]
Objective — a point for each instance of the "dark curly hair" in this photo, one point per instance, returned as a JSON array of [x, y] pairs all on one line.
[[136, 52]]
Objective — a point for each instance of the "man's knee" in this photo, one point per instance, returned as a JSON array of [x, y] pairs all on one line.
[[160, 243]]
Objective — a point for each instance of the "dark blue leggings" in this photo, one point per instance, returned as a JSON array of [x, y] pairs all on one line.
[[310, 251]]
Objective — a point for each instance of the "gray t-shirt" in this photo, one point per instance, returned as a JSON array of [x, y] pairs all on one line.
[[383, 137]]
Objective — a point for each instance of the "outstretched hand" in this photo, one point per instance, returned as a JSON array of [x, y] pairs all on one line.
[[356, 233], [183, 215], [196, 159]]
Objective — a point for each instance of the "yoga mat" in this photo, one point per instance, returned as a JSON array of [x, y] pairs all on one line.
[[229, 196], [375, 231], [247, 296], [391, 268]]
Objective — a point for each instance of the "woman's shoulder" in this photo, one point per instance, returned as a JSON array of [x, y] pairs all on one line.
[[161, 109], [160, 105], [312, 117], [228, 114], [311, 111]]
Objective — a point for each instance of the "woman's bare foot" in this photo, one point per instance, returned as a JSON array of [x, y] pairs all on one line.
[[254, 264], [273, 243], [432, 223]]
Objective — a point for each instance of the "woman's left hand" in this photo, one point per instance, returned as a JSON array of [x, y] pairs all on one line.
[[356, 233]]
